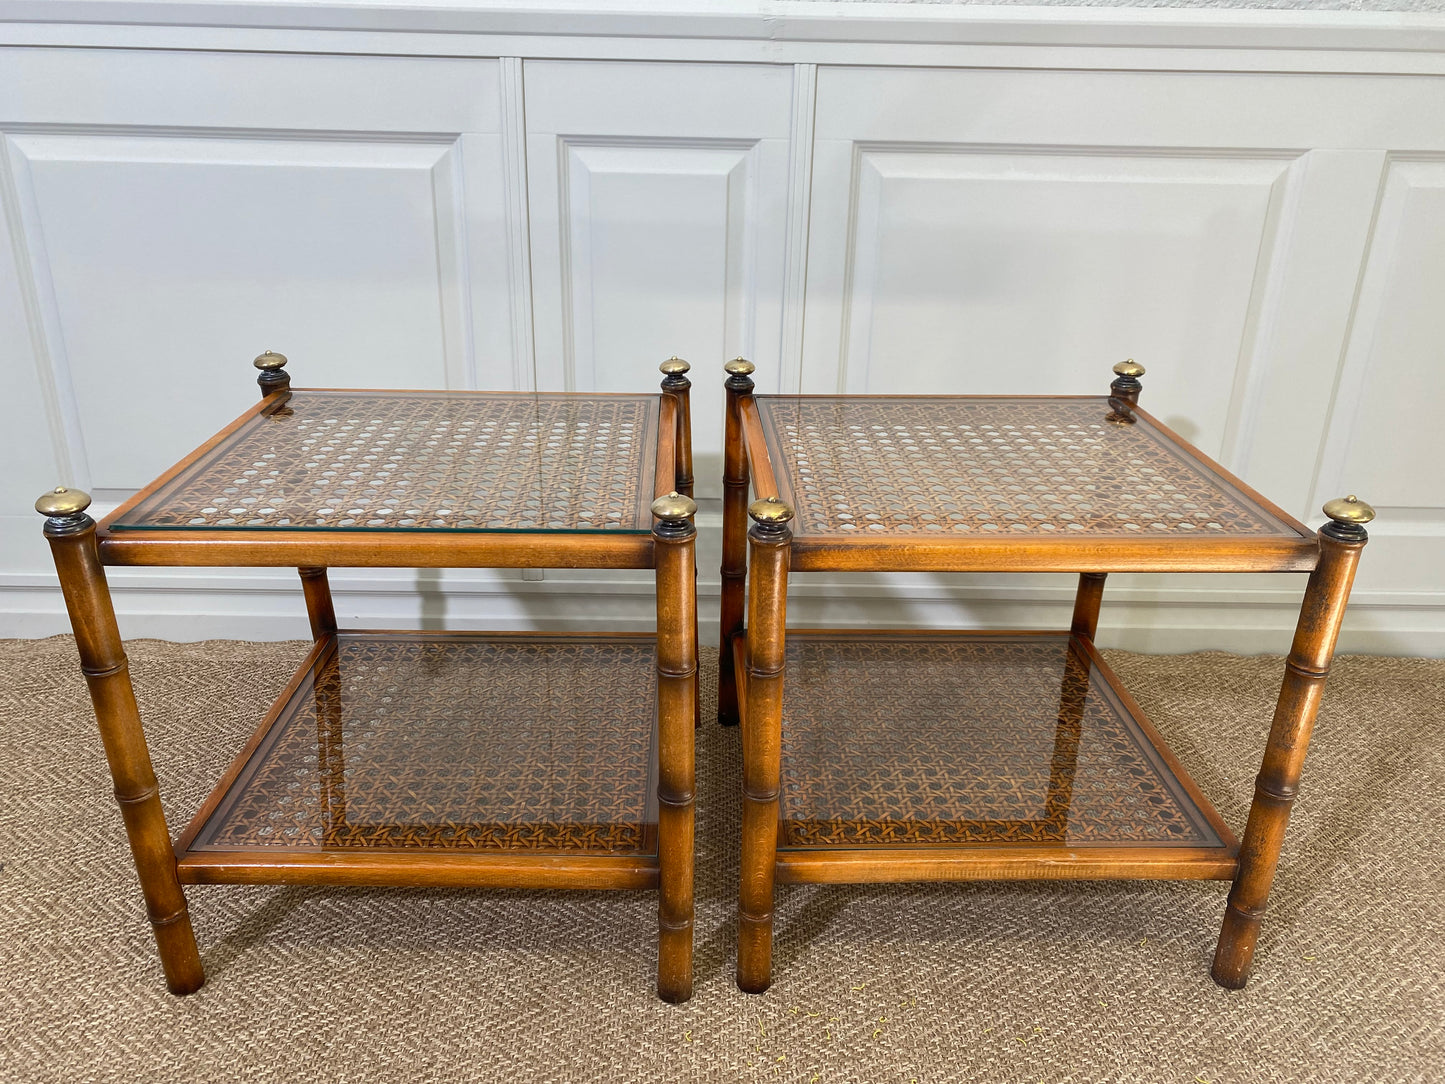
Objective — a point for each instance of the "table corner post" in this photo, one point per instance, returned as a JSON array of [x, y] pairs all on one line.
[[769, 552], [734, 542], [71, 534], [675, 383], [1087, 601], [675, 539], [320, 610], [1321, 615]]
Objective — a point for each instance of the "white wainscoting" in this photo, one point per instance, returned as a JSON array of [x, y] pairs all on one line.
[[858, 197]]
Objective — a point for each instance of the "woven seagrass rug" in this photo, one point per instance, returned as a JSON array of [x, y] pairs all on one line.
[[984, 982]]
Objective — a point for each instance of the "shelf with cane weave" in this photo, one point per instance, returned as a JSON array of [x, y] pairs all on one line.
[[984, 754], [389, 748]]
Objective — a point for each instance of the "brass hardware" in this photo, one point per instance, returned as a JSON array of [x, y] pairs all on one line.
[[63, 502], [771, 511], [673, 366], [674, 506], [269, 361], [1349, 510], [739, 367], [1130, 368]]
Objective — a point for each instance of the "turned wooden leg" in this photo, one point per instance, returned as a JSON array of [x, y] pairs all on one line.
[[1086, 605], [102, 659], [675, 383], [318, 601], [1341, 542], [735, 536], [674, 541], [769, 545]]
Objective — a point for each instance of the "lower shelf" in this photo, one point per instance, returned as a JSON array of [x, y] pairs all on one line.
[[436, 758], [968, 755]]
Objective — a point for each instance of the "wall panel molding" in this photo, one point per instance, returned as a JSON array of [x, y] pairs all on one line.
[[949, 198]]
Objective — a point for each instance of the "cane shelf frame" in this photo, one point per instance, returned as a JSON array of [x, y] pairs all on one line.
[[539, 760], [874, 756]]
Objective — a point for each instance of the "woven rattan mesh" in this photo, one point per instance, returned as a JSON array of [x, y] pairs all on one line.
[[1035, 466], [968, 739], [461, 744], [422, 460]]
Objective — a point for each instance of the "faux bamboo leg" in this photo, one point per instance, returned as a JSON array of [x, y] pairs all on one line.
[[1086, 604], [735, 542], [769, 546], [102, 659], [676, 384], [674, 541], [318, 601], [1341, 542]]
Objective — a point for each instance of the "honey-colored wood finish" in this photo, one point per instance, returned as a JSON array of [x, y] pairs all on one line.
[[677, 387], [676, 539], [319, 608], [664, 858], [1277, 784], [365, 549], [107, 672], [1087, 601], [734, 541], [412, 871], [762, 749], [1272, 541]]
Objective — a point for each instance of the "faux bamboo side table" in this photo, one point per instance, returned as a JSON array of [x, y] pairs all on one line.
[[933, 756], [422, 758]]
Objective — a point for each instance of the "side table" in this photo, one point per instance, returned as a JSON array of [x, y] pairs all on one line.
[[930, 756], [422, 758]]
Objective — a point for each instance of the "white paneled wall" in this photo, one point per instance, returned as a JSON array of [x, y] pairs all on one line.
[[856, 198]]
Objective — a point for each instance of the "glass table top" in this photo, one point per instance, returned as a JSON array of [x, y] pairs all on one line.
[[1031, 466], [455, 743], [972, 738], [418, 461]]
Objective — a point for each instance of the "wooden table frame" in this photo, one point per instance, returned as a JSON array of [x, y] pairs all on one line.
[[755, 567], [82, 548]]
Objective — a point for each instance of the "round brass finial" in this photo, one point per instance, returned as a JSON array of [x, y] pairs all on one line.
[[63, 502], [270, 361], [1129, 368], [771, 511], [673, 366], [739, 367], [1349, 510], [674, 506]]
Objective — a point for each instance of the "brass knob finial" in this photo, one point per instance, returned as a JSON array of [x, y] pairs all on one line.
[[1349, 510], [674, 506], [673, 366], [270, 361], [770, 511], [739, 367], [1130, 368], [61, 501]]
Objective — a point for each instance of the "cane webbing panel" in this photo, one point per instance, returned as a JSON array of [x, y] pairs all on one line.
[[532, 744], [411, 461], [967, 466], [968, 738]]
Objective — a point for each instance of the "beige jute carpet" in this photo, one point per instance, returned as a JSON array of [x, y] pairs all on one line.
[[984, 982]]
